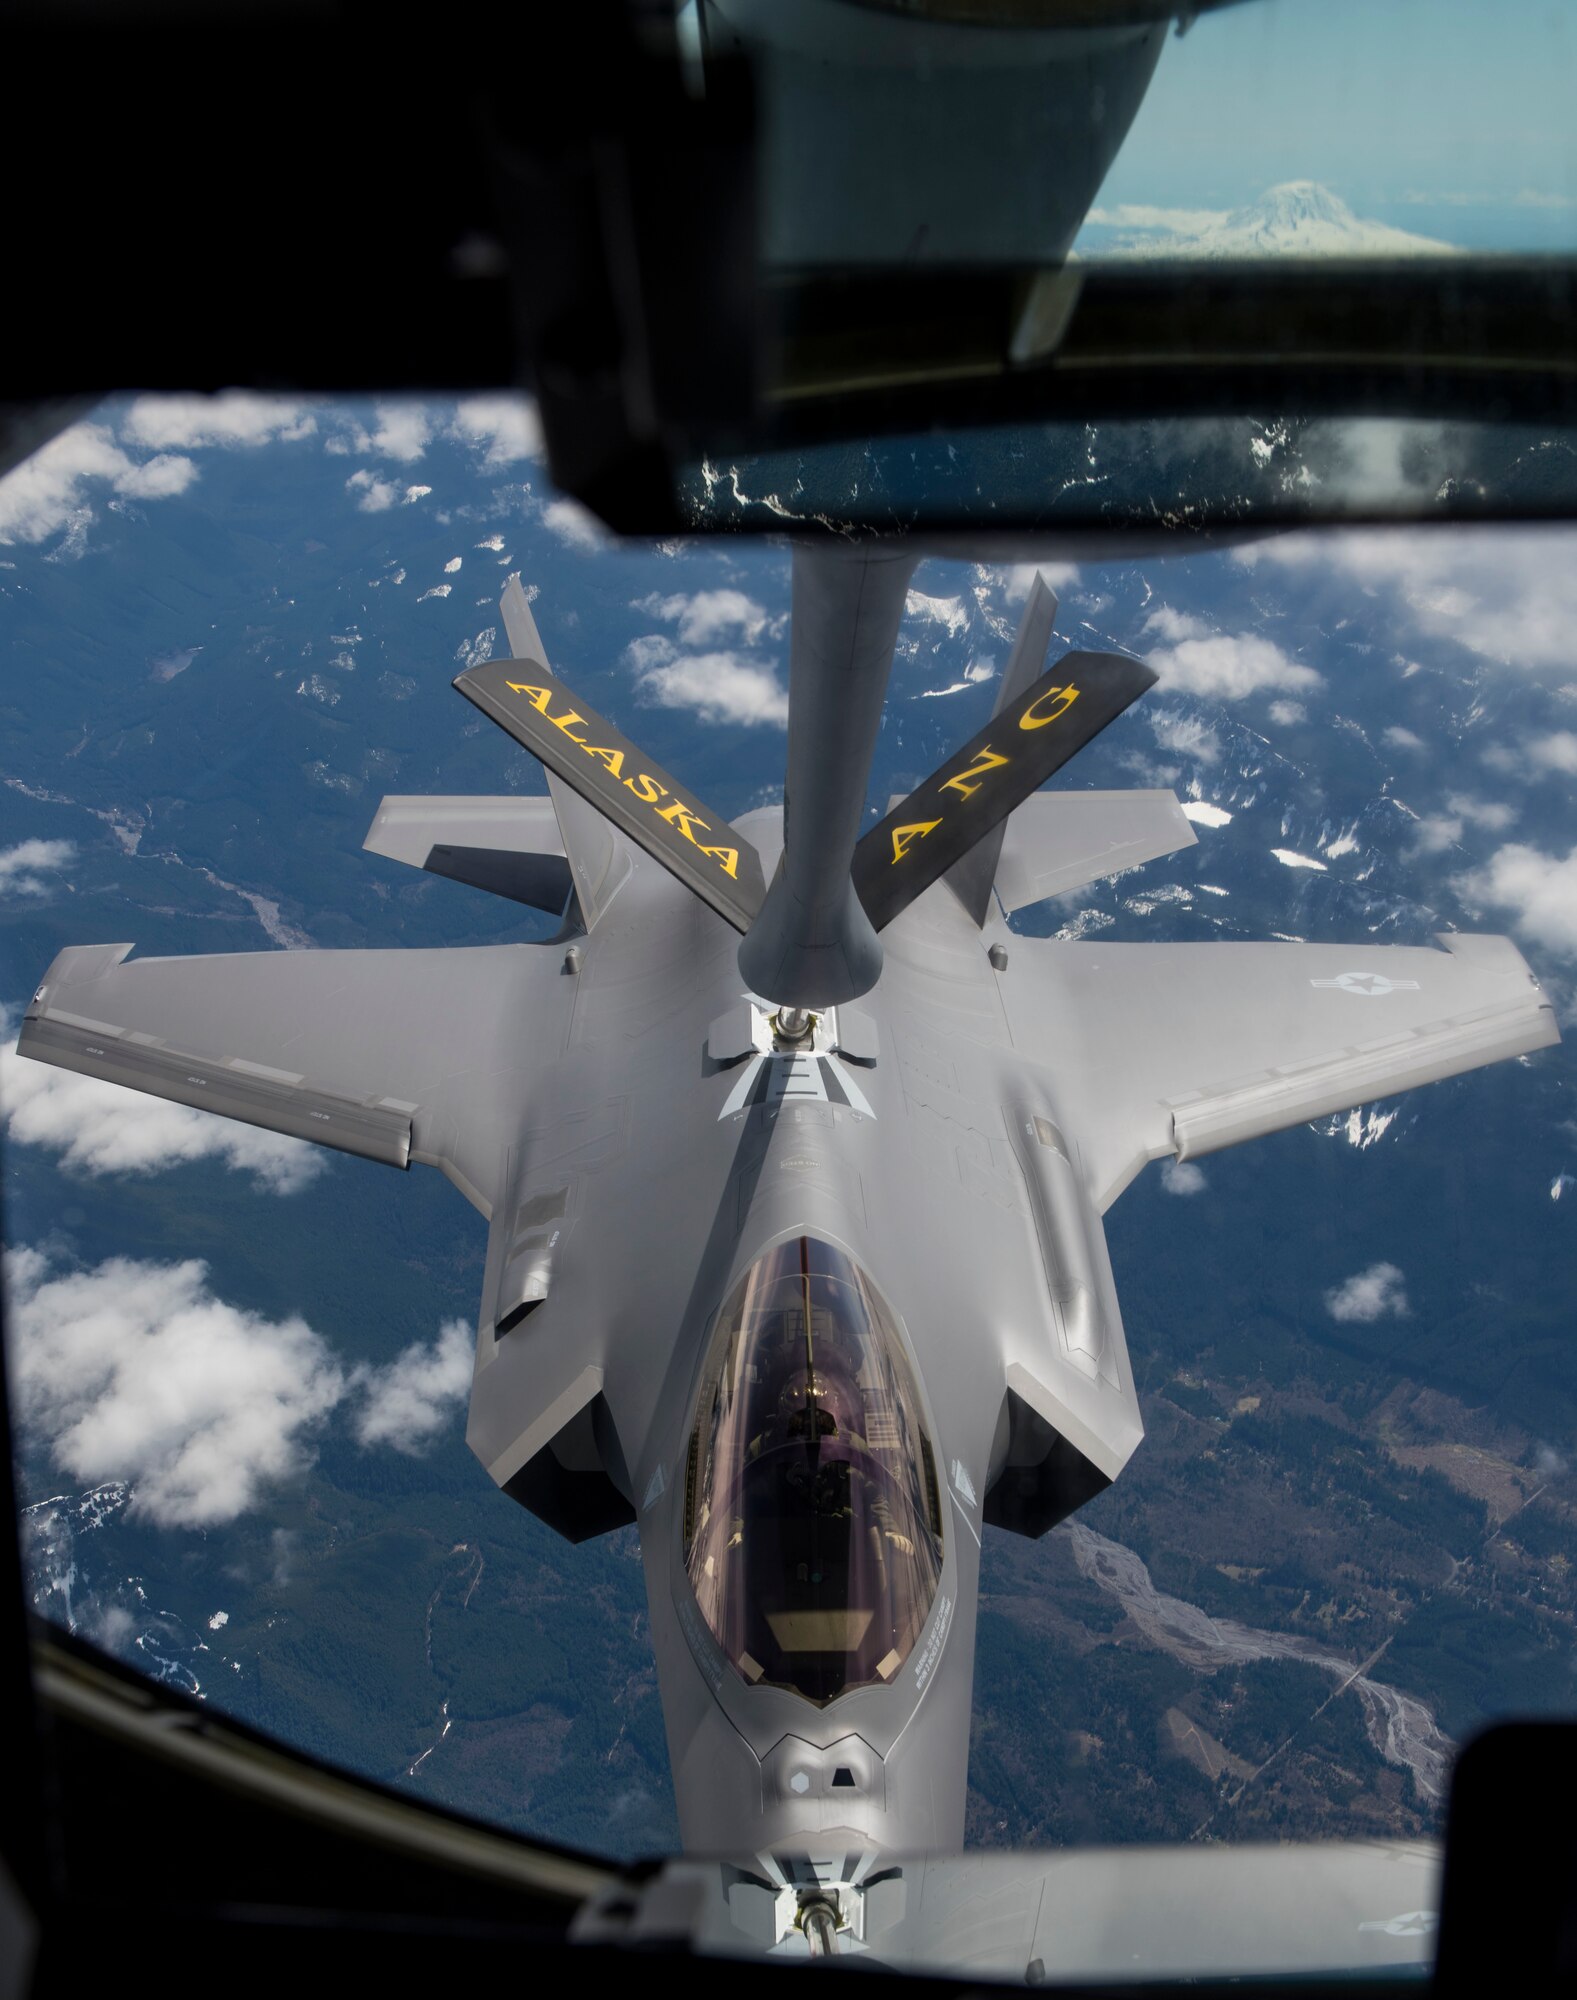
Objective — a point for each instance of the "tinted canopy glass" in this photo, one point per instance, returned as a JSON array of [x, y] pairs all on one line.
[[812, 1531]]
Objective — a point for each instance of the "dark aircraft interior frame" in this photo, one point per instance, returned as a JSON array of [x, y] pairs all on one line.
[[554, 231]]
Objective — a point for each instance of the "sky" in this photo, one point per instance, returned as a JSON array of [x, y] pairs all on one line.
[[1451, 117]]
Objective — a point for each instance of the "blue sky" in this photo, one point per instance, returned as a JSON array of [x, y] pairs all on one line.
[[1442, 116]]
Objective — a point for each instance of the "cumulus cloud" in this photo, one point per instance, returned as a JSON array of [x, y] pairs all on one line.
[[575, 526], [1556, 753], [1226, 666], [1145, 215], [505, 428], [189, 423], [373, 495], [1403, 739], [52, 490], [1285, 714], [1183, 1177], [1016, 580], [718, 687], [101, 1128], [1539, 889], [704, 615], [407, 1403], [24, 868], [1369, 1295], [1186, 736], [1507, 594], [137, 1371], [399, 430], [1437, 831]]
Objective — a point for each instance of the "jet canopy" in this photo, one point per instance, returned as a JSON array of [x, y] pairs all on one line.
[[812, 1517]]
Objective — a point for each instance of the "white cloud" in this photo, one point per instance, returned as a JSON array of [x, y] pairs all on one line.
[[1203, 814], [102, 1128], [1506, 594], [1290, 858], [1144, 215], [454, 563], [1369, 1295], [408, 1402], [376, 494], [1403, 739], [400, 430], [508, 426], [23, 868], [1186, 736], [652, 649], [1539, 889], [1437, 831], [705, 615], [1556, 752], [50, 491], [235, 418], [137, 1371], [403, 431], [1182, 1177], [575, 526], [1174, 625], [1016, 580], [1219, 664], [1286, 714], [719, 687]]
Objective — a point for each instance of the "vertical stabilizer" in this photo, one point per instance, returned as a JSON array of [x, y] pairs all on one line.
[[972, 875], [598, 855]]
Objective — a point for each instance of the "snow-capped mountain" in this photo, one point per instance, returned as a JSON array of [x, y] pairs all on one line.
[[1293, 219]]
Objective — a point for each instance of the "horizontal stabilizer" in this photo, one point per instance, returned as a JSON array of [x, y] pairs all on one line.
[[507, 846], [1056, 842], [637, 795], [997, 769]]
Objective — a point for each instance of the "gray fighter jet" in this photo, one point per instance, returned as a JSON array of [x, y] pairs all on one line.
[[795, 1252]]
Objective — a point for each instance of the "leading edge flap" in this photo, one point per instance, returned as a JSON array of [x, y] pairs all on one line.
[[636, 794]]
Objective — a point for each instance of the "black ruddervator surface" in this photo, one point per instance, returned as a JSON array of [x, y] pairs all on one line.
[[620, 780], [996, 770], [896, 861]]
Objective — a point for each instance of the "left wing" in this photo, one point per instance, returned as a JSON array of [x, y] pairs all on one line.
[[399, 1056], [1184, 1048]]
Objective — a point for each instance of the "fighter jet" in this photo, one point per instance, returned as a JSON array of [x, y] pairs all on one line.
[[794, 1157]]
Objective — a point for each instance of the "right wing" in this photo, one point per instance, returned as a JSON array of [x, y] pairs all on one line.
[[1184, 1048], [399, 1056]]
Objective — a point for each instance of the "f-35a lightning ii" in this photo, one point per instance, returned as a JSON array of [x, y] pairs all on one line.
[[795, 1252]]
